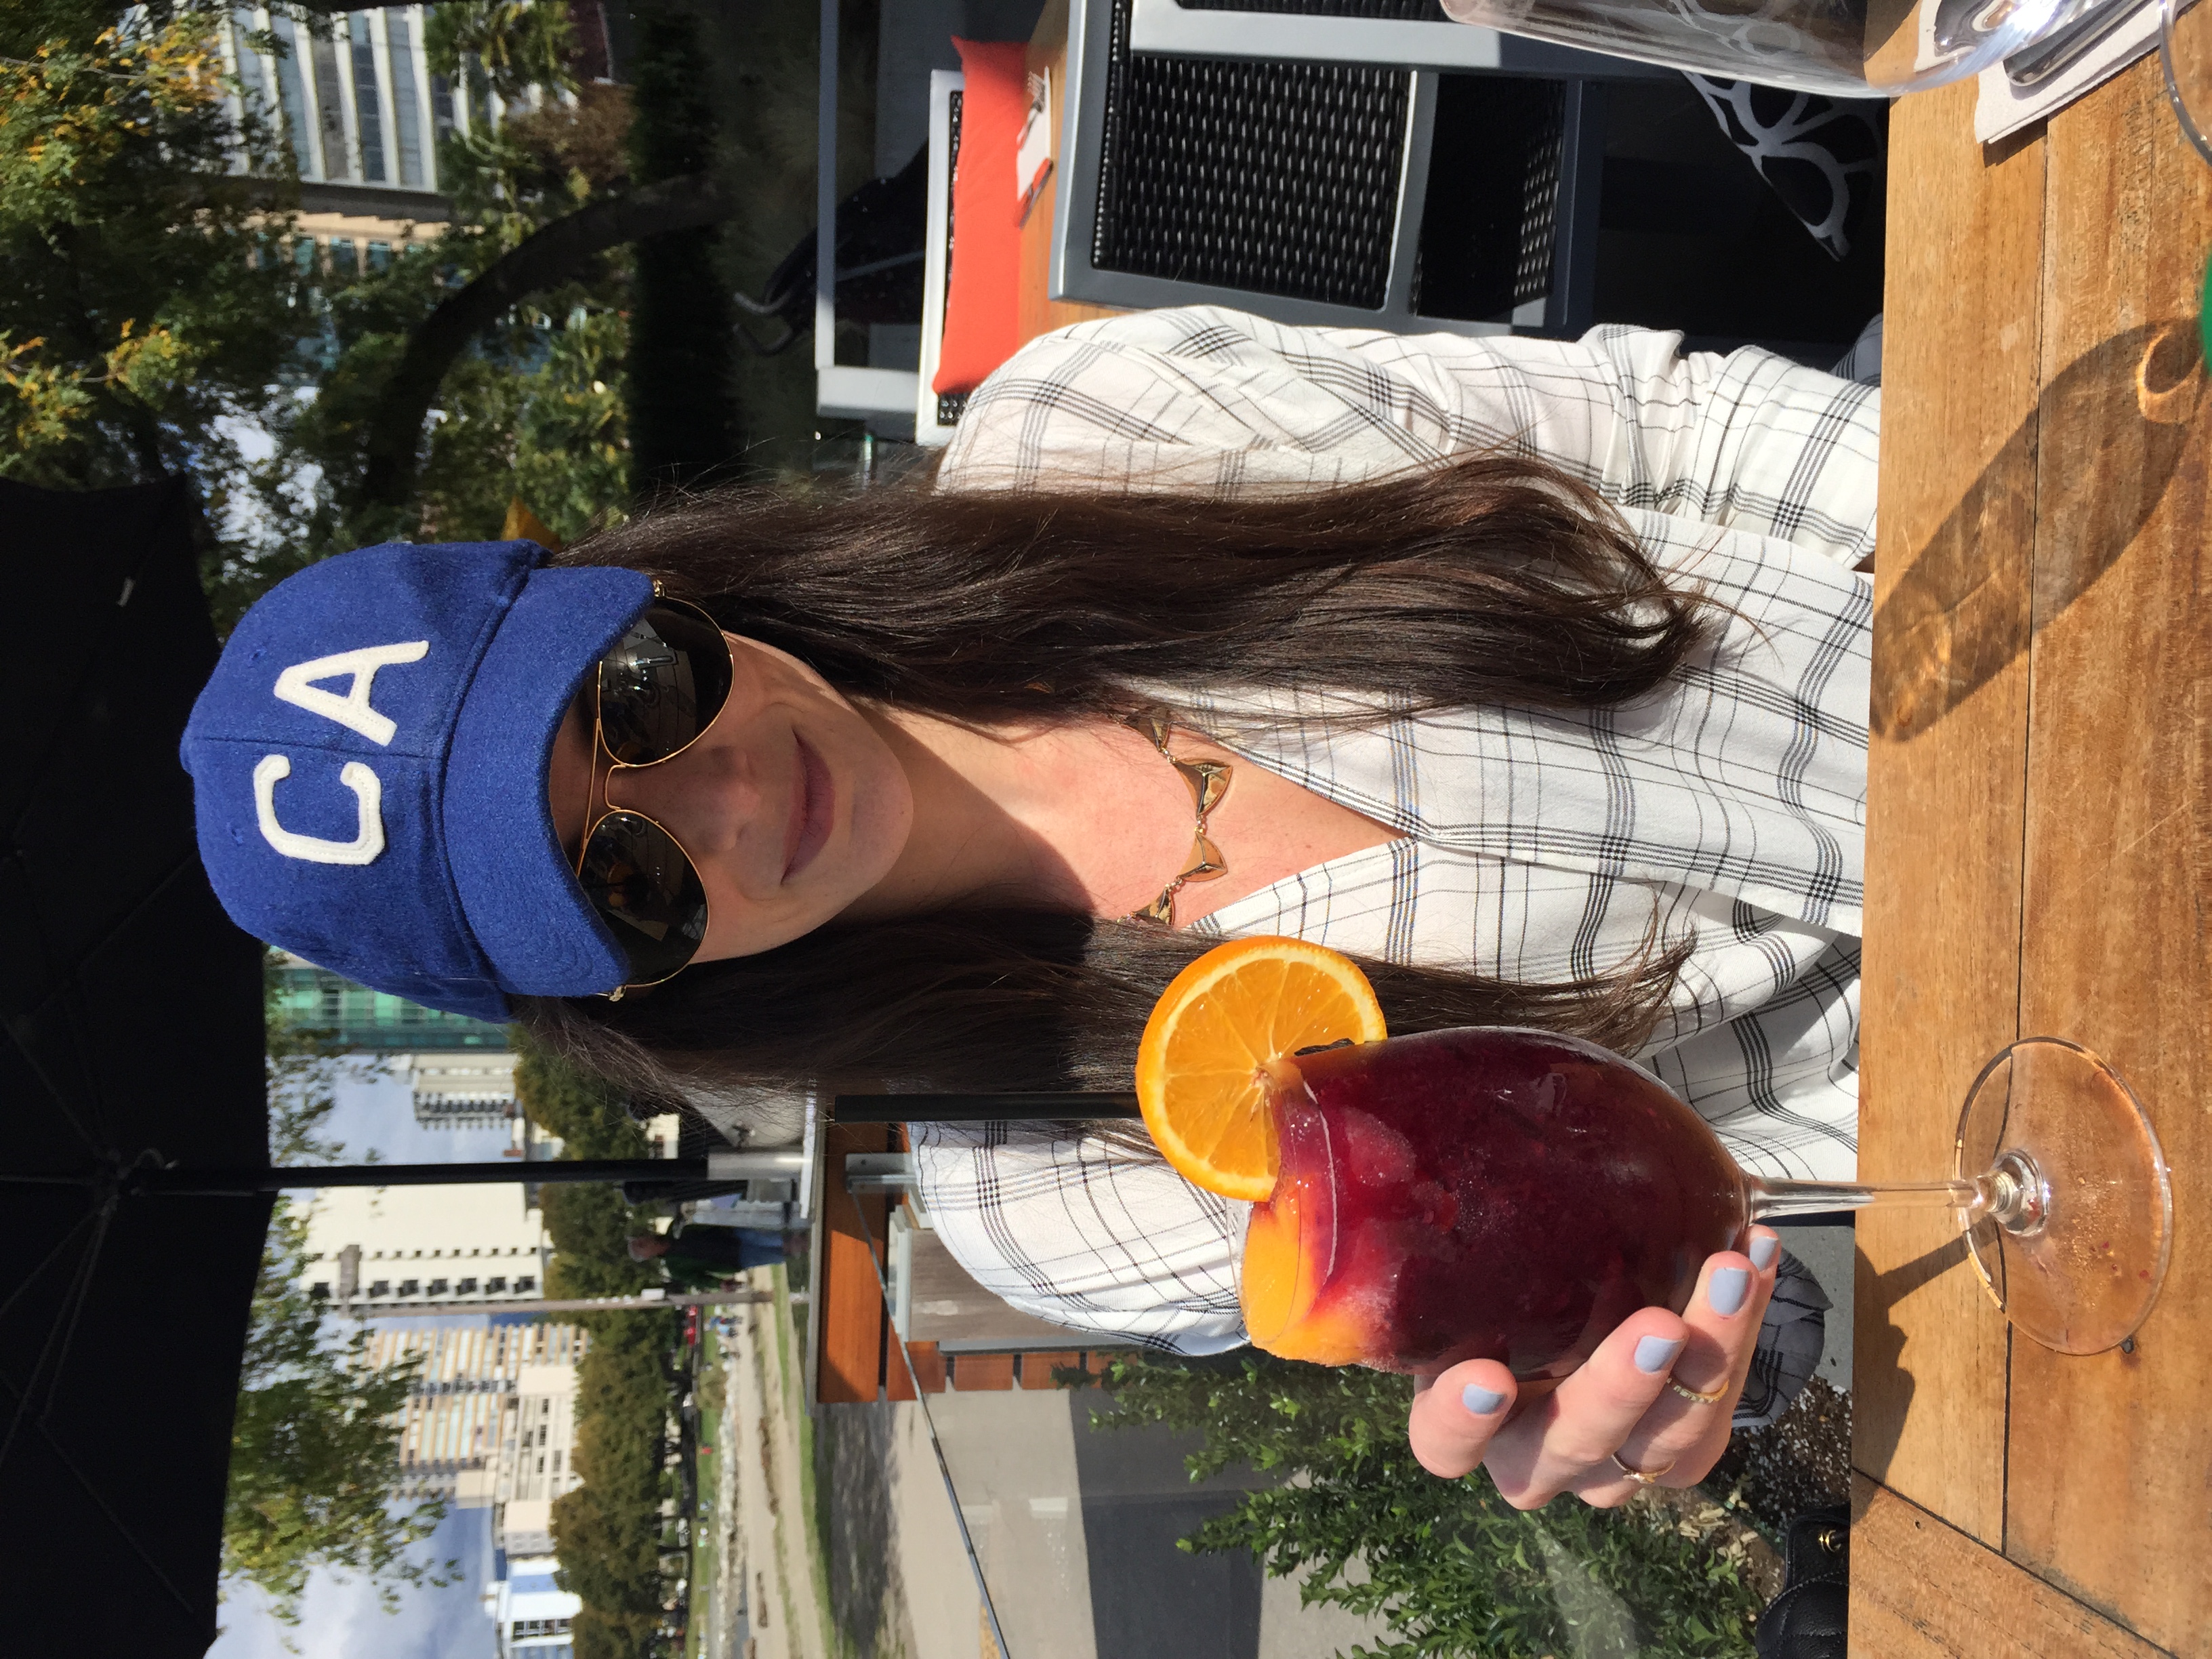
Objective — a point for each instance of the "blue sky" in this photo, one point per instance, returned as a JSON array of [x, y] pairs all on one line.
[[342, 1620]]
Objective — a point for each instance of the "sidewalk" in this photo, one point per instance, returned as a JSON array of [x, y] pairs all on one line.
[[768, 1603]]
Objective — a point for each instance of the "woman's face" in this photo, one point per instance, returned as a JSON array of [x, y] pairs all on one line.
[[791, 805]]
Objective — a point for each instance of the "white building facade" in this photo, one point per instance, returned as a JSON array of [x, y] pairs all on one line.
[[463, 1089], [534, 1614], [491, 1402], [372, 1250]]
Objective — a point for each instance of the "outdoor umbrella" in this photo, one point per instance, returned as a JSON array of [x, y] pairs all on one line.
[[132, 1017]]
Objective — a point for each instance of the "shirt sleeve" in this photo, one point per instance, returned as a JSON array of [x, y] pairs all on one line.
[[1078, 1230], [1216, 401]]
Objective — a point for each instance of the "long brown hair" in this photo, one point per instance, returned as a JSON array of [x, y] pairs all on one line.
[[1488, 579]]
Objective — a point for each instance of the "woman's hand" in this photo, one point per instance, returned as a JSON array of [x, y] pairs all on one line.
[[1618, 1404]]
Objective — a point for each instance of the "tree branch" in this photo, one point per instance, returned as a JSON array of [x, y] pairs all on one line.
[[547, 257]]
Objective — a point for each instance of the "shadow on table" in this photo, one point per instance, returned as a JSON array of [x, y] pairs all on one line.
[[1875, 1355], [2092, 464]]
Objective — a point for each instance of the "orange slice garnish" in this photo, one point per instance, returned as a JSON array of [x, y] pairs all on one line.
[[1202, 1076]]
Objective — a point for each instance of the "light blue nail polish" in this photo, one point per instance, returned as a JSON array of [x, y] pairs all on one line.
[[1655, 1353], [1728, 1289], [1480, 1400], [1762, 1252]]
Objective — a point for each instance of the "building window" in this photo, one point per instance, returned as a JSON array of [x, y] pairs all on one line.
[[320, 1290], [369, 116], [406, 116], [527, 1284], [467, 1287], [439, 1286], [382, 1287], [494, 1287], [410, 1287]]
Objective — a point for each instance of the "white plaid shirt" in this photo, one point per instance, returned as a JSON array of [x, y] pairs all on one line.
[[1534, 845]]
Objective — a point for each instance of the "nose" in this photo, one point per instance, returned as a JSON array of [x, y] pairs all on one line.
[[706, 797]]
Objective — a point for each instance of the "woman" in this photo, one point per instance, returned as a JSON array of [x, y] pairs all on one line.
[[1538, 670]]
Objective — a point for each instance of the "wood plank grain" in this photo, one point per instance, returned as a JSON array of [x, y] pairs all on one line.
[[1038, 312], [2111, 1454], [1944, 785], [1037, 1367], [848, 1316], [1921, 1590], [993, 1372], [928, 1366]]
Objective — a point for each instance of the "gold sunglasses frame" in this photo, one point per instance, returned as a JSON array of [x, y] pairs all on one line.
[[599, 747]]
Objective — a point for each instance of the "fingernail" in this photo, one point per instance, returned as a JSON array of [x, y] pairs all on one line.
[[1655, 1353], [1480, 1400], [1727, 1291], [1762, 1252]]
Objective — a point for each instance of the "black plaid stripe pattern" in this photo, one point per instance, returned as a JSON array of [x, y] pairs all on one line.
[[1206, 399], [1730, 807]]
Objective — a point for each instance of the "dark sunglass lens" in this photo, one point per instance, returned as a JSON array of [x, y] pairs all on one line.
[[643, 886], [662, 685]]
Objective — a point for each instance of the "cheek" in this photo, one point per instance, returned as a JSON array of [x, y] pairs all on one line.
[[883, 814]]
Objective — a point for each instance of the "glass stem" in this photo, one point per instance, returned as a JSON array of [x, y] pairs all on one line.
[[1771, 1199]]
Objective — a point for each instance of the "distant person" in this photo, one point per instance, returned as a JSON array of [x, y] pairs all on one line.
[[1532, 674], [706, 1258]]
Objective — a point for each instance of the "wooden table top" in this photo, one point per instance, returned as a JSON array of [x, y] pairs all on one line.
[[2039, 859]]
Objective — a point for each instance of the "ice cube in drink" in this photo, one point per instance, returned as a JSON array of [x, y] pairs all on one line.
[[1483, 1192]]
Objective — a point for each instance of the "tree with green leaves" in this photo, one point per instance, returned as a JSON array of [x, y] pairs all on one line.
[[144, 316], [607, 1531], [314, 1444], [1453, 1571], [314, 1454]]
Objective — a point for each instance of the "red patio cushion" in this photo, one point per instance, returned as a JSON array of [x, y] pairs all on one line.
[[981, 327]]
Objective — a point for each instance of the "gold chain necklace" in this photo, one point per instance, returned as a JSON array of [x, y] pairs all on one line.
[[1209, 786]]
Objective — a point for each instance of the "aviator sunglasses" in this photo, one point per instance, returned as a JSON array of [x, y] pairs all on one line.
[[654, 696]]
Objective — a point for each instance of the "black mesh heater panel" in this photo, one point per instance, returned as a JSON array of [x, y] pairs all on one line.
[[1275, 177], [1487, 230], [1388, 11]]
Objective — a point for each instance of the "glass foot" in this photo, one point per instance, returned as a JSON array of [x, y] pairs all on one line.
[[2079, 1223]]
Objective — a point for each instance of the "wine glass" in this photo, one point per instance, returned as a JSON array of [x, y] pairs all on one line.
[[1845, 48], [1503, 1194]]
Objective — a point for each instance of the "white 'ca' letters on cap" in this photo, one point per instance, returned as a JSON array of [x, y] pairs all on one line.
[[296, 685], [368, 796]]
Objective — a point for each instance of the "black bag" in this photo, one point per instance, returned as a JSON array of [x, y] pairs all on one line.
[[1807, 1620]]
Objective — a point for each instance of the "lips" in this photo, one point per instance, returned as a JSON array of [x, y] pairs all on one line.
[[812, 804]]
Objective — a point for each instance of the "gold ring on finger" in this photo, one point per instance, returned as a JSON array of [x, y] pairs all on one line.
[[1641, 1477], [1694, 1397]]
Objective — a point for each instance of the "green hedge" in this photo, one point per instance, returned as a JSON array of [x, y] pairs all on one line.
[[1450, 1566]]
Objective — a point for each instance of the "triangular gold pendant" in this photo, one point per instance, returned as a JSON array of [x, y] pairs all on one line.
[[1206, 860], [1161, 909], [1208, 782]]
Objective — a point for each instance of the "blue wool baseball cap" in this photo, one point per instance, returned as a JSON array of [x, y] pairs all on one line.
[[368, 770]]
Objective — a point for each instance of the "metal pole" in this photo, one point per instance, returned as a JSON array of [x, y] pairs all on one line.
[[785, 1163], [584, 1305]]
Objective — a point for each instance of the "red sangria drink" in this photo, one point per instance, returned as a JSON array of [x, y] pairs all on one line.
[[1489, 1192]]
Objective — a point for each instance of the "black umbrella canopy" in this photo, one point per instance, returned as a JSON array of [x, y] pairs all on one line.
[[131, 1012]]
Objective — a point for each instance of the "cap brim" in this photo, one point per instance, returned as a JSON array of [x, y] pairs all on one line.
[[522, 899]]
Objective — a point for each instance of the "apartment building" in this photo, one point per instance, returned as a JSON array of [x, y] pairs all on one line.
[[490, 1416]]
